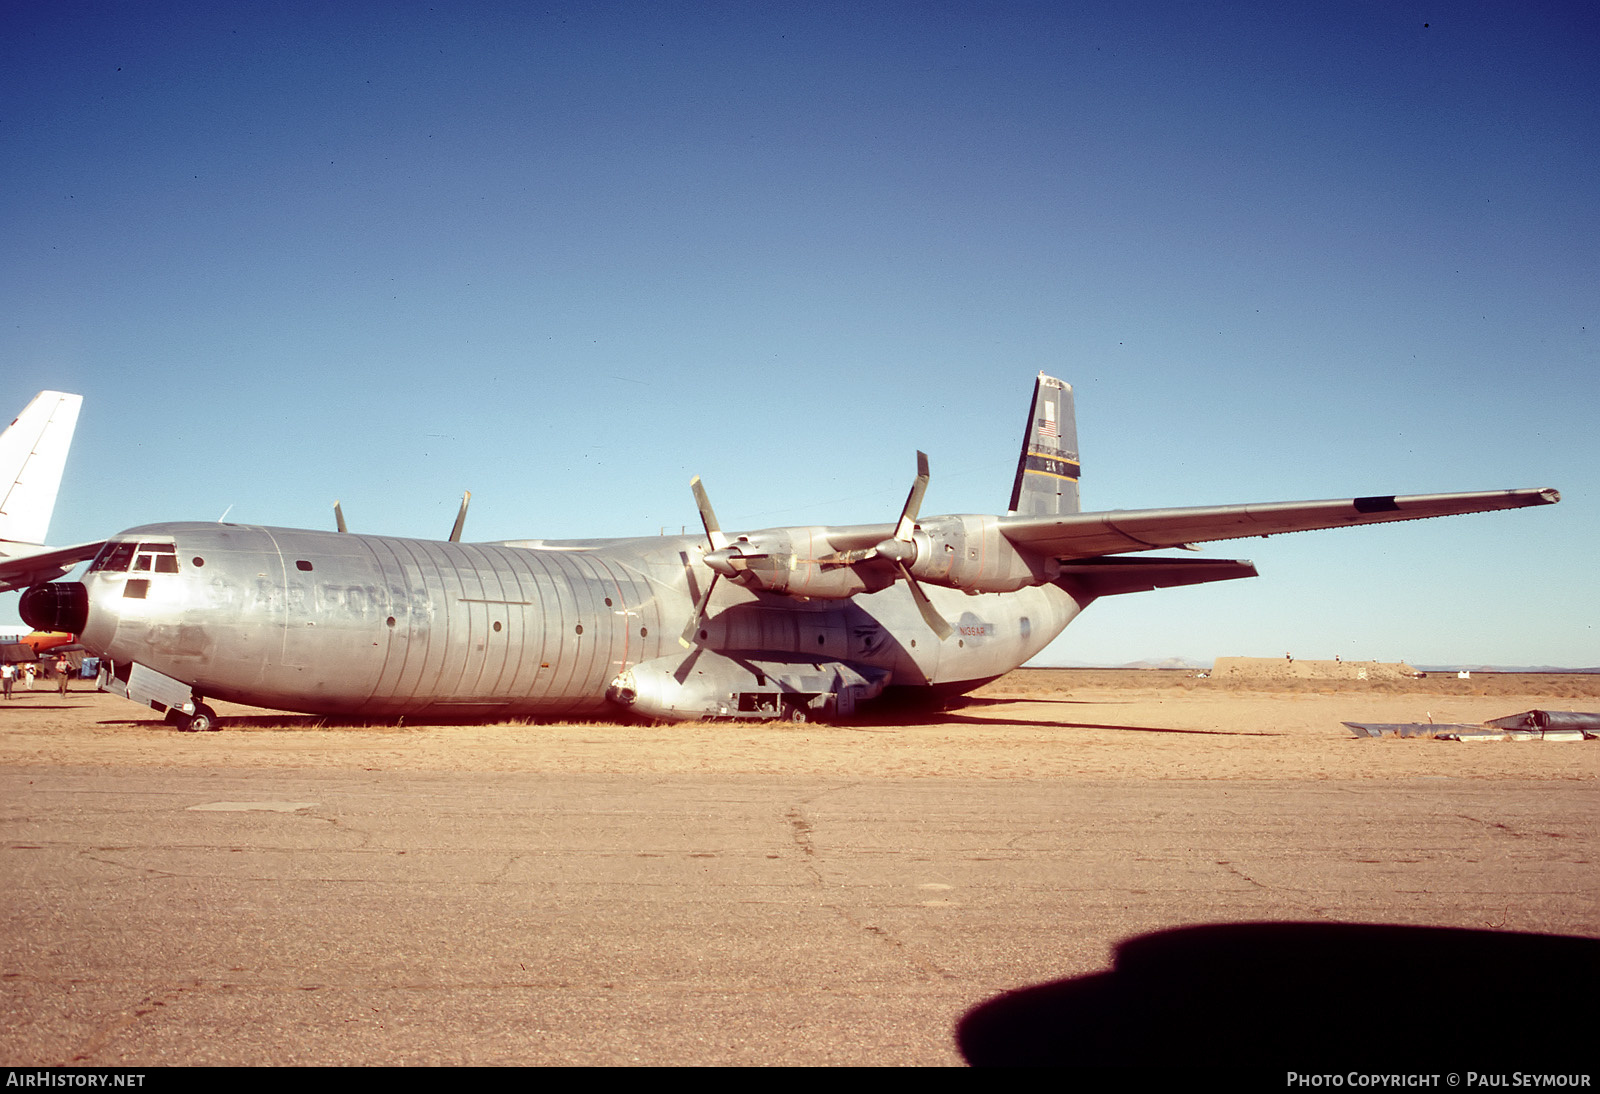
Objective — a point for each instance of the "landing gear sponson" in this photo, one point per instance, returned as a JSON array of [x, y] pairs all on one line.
[[182, 707]]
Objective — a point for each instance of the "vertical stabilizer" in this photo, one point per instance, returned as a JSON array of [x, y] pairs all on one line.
[[1047, 471], [33, 453]]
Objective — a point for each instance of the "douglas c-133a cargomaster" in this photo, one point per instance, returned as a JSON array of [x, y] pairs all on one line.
[[779, 623]]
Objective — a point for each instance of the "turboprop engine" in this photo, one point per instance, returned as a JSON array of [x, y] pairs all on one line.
[[970, 553], [961, 552]]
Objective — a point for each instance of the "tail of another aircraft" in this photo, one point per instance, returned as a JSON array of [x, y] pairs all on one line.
[[33, 453], [1047, 471]]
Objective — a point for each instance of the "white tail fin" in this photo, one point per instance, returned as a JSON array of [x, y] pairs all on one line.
[[33, 453], [1047, 471]]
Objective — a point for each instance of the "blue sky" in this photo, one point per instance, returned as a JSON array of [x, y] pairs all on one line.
[[567, 256]]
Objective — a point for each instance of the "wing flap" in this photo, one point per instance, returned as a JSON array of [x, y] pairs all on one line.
[[1089, 535], [1091, 578]]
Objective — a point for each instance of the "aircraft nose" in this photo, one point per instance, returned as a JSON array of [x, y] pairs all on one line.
[[58, 606]]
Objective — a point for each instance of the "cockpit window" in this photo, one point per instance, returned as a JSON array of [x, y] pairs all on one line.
[[113, 558], [141, 558], [160, 558]]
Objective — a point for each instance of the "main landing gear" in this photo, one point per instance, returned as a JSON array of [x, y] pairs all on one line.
[[203, 720]]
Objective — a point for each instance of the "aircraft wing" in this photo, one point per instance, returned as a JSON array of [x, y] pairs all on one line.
[[1089, 535], [22, 564]]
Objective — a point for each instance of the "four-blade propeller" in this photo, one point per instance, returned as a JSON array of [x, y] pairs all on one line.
[[901, 549], [717, 542], [730, 560]]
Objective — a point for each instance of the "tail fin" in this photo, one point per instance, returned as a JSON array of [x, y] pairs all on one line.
[[1047, 471], [33, 453]]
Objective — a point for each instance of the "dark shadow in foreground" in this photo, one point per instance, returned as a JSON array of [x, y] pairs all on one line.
[[1304, 995]]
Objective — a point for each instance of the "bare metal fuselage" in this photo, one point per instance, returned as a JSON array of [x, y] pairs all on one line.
[[387, 627]]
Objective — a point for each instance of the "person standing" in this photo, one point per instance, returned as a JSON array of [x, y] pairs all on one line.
[[63, 671], [8, 674]]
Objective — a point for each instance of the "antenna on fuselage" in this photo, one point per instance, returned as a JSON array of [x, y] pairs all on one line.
[[461, 517], [338, 517]]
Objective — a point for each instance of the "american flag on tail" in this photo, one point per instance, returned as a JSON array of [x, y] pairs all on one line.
[[1047, 424]]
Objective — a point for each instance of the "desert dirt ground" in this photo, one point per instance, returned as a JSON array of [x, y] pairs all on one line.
[[1036, 723], [302, 890]]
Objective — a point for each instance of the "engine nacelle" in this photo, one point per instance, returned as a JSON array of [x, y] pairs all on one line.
[[797, 562], [961, 552], [970, 553]]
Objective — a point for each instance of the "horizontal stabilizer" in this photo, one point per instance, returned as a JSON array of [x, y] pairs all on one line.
[[1089, 535]]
